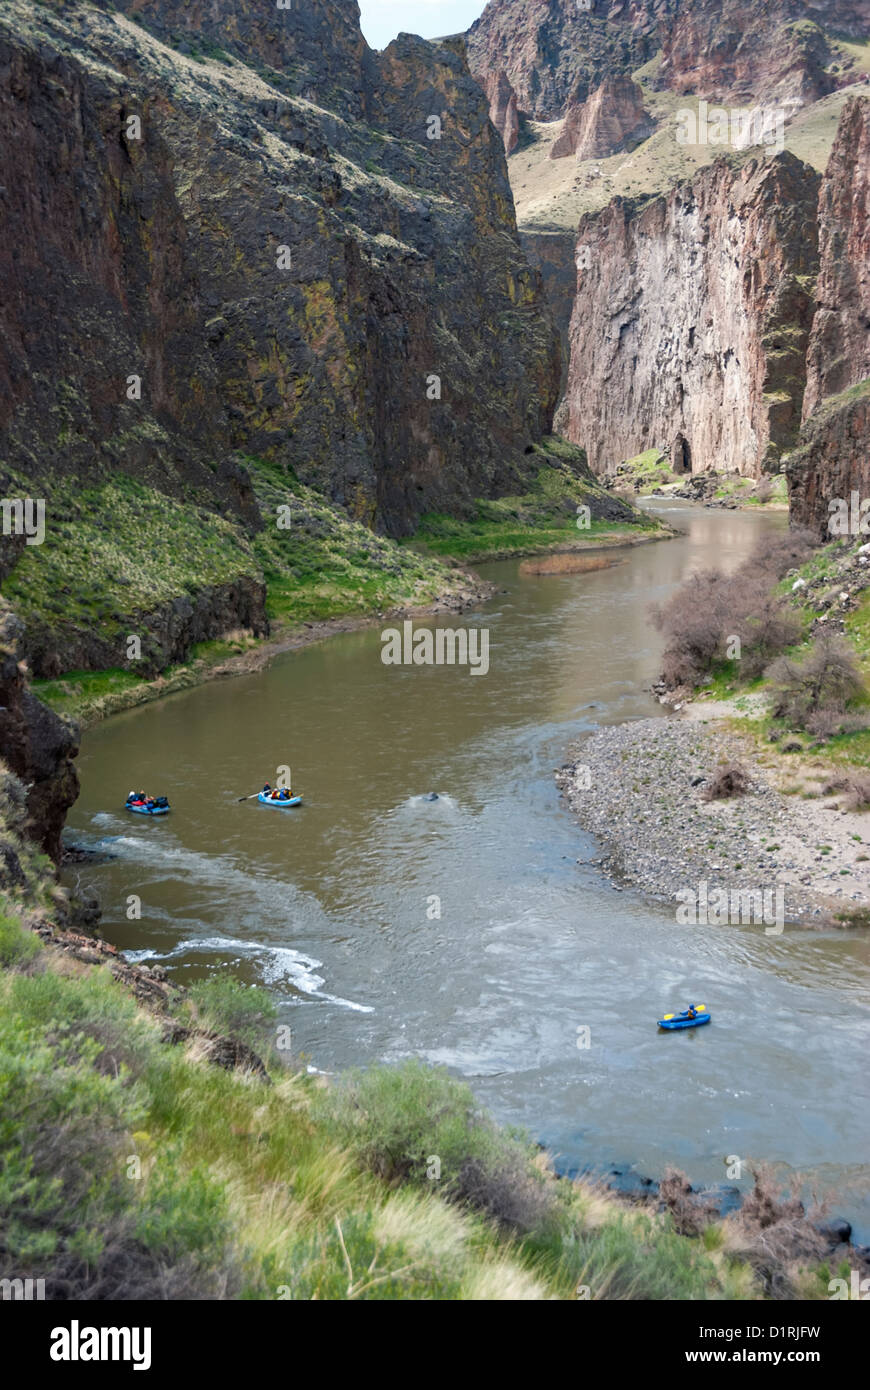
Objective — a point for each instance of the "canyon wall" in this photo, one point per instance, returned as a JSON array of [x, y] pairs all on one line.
[[38, 749], [833, 459], [310, 256], [611, 119], [552, 53], [692, 317]]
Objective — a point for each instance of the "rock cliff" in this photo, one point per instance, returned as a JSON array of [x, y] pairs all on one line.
[[38, 749], [692, 317], [553, 53], [833, 459], [612, 119], [289, 246], [839, 349]]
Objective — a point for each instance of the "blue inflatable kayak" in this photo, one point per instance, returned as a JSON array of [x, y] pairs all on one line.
[[702, 1015], [268, 801], [148, 810]]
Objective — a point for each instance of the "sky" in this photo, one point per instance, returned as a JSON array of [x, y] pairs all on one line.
[[382, 20]]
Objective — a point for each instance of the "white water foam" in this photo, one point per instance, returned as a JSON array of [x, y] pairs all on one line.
[[259, 898], [279, 963]]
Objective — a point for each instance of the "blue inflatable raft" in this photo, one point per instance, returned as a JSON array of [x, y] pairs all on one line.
[[702, 1015], [149, 810], [268, 801]]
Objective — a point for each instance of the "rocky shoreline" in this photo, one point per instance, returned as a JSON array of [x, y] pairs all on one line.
[[639, 788]]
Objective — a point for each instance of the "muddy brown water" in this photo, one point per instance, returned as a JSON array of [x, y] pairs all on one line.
[[464, 930]]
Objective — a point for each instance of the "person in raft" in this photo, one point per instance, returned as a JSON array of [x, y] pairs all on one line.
[[691, 1011], [266, 789]]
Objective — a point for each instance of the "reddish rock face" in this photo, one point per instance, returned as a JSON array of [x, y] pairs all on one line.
[[692, 317], [839, 351], [774, 52], [555, 52], [833, 460], [612, 119], [503, 109]]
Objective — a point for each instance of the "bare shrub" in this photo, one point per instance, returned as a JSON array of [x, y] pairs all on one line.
[[731, 779], [856, 789], [776, 555], [764, 491], [693, 620], [690, 1212], [709, 611], [826, 680], [765, 631], [773, 1233], [825, 723]]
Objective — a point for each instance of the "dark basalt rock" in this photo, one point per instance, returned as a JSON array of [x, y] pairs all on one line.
[[160, 255]]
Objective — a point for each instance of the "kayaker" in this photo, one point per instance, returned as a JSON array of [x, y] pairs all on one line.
[[691, 1011]]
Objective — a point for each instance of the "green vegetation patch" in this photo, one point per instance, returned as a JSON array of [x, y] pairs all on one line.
[[318, 563], [545, 518], [117, 551]]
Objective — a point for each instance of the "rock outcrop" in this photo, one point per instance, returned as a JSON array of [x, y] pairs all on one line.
[[833, 460], [778, 52], [612, 119], [37, 748], [167, 633], [555, 52], [692, 318], [302, 251], [839, 349], [503, 109]]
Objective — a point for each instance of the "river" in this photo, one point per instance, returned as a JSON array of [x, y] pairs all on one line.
[[473, 930]]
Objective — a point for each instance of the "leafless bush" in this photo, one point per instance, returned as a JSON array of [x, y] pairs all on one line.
[[773, 1232], [731, 779], [509, 1192], [776, 555], [693, 621], [690, 1213], [704, 616], [765, 631], [856, 789], [825, 681]]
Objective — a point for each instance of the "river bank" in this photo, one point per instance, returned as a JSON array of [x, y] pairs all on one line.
[[640, 789], [90, 697]]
